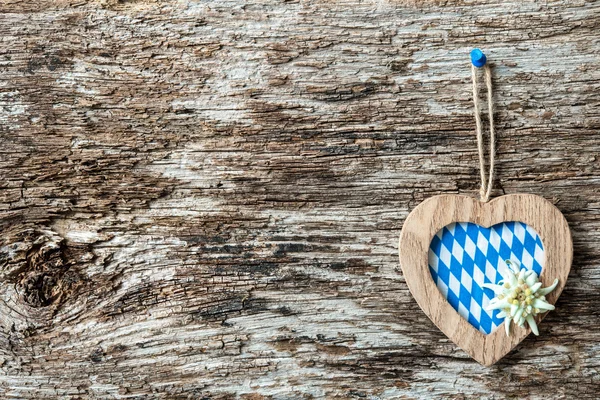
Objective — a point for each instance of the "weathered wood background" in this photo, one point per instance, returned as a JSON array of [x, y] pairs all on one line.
[[203, 199]]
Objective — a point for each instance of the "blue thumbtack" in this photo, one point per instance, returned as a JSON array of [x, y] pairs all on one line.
[[478, 58]]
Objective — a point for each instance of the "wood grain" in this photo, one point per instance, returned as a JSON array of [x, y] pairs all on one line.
[[203, 199], [429, 217]]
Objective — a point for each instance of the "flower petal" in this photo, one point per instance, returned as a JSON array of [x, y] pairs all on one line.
[[534, 288], [496, 288], [542, 305], [518, 315], [548, 289], [505, 275], [512, 279], [513, 310], [532, 325], [531, 279], [513, 266], [496, 305]]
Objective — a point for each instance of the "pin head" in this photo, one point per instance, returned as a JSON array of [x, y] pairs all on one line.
[[478, 58]]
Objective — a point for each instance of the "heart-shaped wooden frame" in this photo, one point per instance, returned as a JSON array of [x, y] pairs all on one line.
[[439, 211]]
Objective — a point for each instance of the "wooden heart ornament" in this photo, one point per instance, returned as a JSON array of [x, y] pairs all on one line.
[[434, 214]]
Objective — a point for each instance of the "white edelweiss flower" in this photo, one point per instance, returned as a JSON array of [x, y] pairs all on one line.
[[520, 297]]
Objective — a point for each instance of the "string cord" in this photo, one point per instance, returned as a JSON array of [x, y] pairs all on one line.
[[486, 184]]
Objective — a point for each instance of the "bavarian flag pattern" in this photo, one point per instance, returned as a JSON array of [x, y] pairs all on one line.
[[463, 256]]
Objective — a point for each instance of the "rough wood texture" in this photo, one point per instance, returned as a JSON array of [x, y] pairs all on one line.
[[203, 199], [435, 213]]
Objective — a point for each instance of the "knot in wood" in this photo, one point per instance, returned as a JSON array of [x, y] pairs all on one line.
[[34, 261]]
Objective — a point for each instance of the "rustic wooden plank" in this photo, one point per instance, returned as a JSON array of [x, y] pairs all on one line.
[[203, 199]]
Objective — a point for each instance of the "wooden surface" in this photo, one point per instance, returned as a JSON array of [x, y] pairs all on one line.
[[203, 199], [433, 214]]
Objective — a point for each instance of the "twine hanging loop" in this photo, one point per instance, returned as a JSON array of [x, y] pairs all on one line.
[[478, 60]]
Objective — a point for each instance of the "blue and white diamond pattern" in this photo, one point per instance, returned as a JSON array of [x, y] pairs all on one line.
[[463, 256]]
